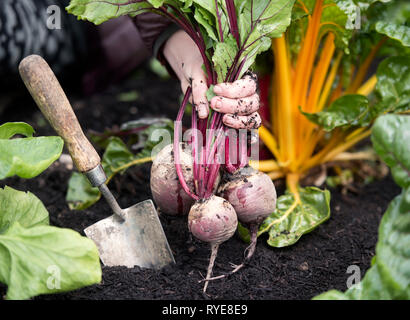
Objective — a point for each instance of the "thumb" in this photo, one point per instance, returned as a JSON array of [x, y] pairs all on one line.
[[199, 99]]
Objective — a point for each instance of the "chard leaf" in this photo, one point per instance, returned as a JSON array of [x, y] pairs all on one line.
[[354, 10], [286, 226], [392, 19], [390, 137], [334, 20], [393, 85], [26, 157], [348, 110], [24, 208], [395, 31], [44, 259]]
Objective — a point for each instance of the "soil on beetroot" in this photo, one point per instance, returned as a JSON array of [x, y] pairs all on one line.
[[316, 263]]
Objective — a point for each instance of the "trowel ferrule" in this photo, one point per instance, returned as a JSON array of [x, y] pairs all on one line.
[[96, 176]]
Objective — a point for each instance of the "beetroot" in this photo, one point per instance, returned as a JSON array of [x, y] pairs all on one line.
[[166, 189], [251, 193], [214, 221], [253, 196]]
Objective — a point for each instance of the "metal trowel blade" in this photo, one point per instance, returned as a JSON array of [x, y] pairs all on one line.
[[139, 240]]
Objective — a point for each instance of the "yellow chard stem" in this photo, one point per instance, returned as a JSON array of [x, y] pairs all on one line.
[[304, 69], [316, 87], [329, 83], [265, 165], [368, 86], [270, 142], [292, 181], [284, 100], [276, 174], [346, 145], [320, 72], [362, 71]]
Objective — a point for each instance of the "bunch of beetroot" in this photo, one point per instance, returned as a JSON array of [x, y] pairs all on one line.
[[185, 179]]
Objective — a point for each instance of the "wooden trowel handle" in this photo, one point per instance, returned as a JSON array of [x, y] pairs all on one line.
[[53, 103]]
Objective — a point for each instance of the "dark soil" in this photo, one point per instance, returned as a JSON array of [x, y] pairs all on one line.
[[317, 263]]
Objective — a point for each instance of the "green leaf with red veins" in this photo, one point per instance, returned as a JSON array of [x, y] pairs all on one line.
[[258, 22], [99, 11], [224, 57]]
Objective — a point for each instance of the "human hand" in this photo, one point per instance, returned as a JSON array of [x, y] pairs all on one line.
[[238, 100]]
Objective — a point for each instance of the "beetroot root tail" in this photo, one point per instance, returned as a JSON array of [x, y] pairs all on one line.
[[249, 251], [214, 253]]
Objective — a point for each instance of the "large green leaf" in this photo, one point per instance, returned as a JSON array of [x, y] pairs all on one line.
[[348, 110], [286, 226], [44, 259], [25, 208], [26, 157], [392, 90], [390, 137], [392, 20], [354, 9], [389, 276]]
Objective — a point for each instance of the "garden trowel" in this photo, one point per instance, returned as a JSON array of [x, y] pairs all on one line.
[[130, 237]]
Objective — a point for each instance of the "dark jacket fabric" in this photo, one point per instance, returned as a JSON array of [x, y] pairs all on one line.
[[100, 55], [124, 44], [151, 26]]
